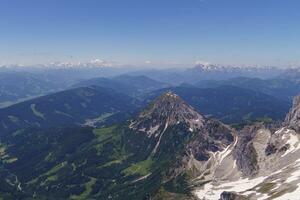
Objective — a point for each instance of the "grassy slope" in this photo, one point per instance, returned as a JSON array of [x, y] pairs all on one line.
[[80, 163]]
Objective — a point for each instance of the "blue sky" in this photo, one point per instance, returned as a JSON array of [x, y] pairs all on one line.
[[161, 31]]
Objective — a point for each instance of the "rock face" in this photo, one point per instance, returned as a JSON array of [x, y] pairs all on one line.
[[231, 196], [266, 164], [244, 152], [167, 110], [293, 118]]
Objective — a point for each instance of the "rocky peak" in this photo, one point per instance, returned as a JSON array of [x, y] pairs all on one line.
[[168, 109], [293, 117]]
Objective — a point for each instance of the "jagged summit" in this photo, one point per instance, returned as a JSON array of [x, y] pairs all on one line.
[[167, 109], [170, 105], [293, 117], [169, 98]]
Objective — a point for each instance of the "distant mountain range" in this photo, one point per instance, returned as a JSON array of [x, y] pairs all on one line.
[[218, 72], [98, 106], [244, 98], [210, 72], [130, 85], [292, 74], [19, 86], [19, 83], [280, 88], [86, 105]]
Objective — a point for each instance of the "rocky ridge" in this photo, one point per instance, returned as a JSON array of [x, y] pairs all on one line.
[[265, 164], [293, 118]]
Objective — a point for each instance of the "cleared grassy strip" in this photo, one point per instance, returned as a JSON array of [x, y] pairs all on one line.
[[88, 189]]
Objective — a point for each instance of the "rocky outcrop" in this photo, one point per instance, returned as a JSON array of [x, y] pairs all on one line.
[[231, 196], [166, 110], [293, 117], [244, 152], [213, 137]]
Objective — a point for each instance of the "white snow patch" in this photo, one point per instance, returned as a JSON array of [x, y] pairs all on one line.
[[224, 154], [157, 144], [234, 164], [172, 95], [142, 129], [19, 187], [290, 196], [131, 125], [280, 130], [295, 175], [213, 192]]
